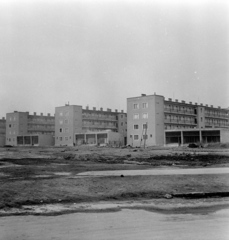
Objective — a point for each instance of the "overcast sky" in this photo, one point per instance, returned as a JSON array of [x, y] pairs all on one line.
[[99, 53]]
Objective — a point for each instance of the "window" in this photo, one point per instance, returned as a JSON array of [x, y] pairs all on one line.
[[61, 130], [145, 137], [135, 126], [144, 105], [151, 135], [66, 130], [66, 121], [121, 123], [136, 106], [9, 125], [121, 116], [145, 115], [136, 116], [135, 137], [61, 114], [144, 126], [61, 122], [66, 138], [130, 136], [60, 138]]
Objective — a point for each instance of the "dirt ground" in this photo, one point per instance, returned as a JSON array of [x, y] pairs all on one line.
[[31, 176]]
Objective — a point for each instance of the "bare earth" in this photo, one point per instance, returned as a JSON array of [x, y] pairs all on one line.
[[33, 179]]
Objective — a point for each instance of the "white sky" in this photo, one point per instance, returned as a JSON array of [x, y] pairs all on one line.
[[99, 53]]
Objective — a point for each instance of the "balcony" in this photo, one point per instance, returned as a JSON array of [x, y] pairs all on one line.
[[181, 112], [180, 122], [216, 116], [41, 123], [97, 118]]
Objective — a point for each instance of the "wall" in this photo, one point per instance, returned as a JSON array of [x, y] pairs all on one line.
[[68, 121], [154, 107], [46, 140], [200, 117], [16, 124], [122, 126], [115, 138], [2, 140], [159, 121], [224, 135]]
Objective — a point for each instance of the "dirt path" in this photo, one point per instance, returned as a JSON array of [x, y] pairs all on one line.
[[126, 224], [190, 171]]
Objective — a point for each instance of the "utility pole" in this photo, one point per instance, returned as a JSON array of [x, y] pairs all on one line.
[[145, 135], [142, 136]]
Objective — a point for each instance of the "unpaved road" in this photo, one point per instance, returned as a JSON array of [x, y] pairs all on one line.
[[126, 224], [162, 171]]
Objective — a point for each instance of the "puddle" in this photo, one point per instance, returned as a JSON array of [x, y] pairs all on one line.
[[62, 173], [42, 176]]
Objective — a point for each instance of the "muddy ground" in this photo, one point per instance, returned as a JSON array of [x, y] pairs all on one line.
[[31, 176]]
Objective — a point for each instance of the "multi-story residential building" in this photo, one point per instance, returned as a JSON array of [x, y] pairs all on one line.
[[2, 131], [71, 120], [25, 129], [152, 120]]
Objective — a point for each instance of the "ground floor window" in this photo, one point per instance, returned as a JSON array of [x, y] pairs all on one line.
[[135, 137], [145, 136]]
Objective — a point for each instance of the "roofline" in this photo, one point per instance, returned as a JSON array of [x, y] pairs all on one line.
[[146, 96]]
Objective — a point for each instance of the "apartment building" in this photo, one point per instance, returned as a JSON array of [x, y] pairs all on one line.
[[29, 130], [2, 131], [73, 120], [152, 120]]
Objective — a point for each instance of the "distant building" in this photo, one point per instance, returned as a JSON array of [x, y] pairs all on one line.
[[72, 120], [152, 120], [23, 129], [100, 138], [2, 131]]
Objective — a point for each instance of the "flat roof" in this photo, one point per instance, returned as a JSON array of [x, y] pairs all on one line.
[[146, 96]]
